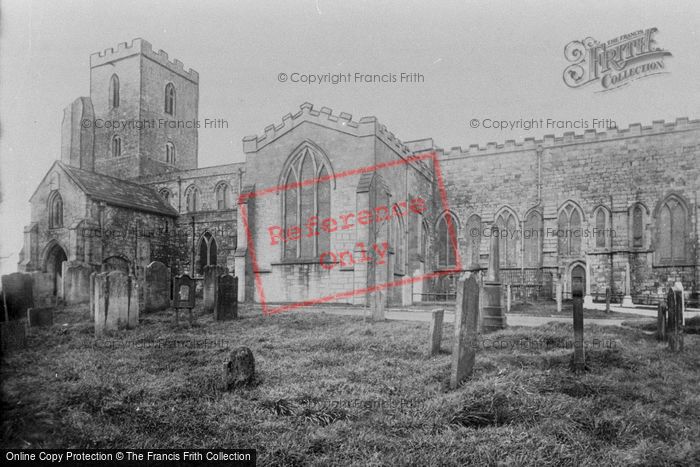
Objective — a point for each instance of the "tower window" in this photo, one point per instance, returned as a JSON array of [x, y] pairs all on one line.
[[55, 210], [169, 153], [170, 99], [114, 91], [116, 146]]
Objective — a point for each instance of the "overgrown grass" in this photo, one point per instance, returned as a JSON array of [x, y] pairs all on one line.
[[336, 390]]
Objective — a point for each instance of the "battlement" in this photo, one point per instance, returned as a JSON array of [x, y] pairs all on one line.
[[366, 126], [570, 137], [143, 47]]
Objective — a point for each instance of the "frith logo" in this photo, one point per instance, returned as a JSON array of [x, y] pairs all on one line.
[[616, 62]]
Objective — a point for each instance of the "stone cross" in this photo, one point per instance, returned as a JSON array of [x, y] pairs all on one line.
[[466, 333], [436, 318], [579, 351]]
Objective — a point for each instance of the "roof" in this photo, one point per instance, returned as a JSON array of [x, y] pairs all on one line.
[[119, 192]]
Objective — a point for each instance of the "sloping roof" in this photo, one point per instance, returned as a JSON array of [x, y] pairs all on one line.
[[119, 192]]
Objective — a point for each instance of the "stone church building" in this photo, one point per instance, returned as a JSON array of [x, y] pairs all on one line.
[[596, 210]]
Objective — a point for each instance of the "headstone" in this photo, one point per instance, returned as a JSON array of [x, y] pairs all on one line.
[[156, 287], [183, 295], [661, 322], [436, 319], [211, 275], [116, 302], [76, 283], [508, 298], [678, 285], [588, 298], [226, 304], [239, 370], [608, 297], [18, 294], [559, 294], [92, 295], [13, 335], [39, 317], [674, 330], [627, 299], [579, 351], [378, 305], [466, 323], [494, 318]]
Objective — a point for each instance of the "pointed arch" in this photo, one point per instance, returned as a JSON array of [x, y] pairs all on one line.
[[192, 200], [533, 236], [208, 251], [509, 245], [638, 215], [223, 194], [447, 227], [569, 228], [672, 231], [170, 96], [165, 194], [114, 91], [602, 232], [55, 210]]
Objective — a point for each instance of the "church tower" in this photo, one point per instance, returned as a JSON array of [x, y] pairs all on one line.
[[145, 111]]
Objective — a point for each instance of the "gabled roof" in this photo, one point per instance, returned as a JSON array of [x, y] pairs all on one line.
[[118, 192]]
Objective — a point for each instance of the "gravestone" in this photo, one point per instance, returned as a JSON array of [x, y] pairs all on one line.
[[674, 331], [559, 295], [226, 304], [92, 295], [239, 370], [579, 364], [466, 332], [211, 276], [13, 335], [183, 295], [436, 319], [156, 287], [608, 297], [627, 299], [76, 283], [39, 317], [661, 322], [678, 286], [378, 305], [116, 302], [494, 318], [508, 298], [17, 289]]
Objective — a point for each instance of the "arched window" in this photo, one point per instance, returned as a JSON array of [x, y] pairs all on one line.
[[671, 228], [533, 235], [602, 232], [473, 232], [116, 146], [165, 194], [192, 199], [114, 91], [170, 99], [569, 230], [446, 232], [509, 241], [55, 210], [637, 227], [399, 241], [207, 251], [169, 152], [301, 202], [222, 194]]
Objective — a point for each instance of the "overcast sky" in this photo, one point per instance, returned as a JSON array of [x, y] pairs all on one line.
[[489, 59]]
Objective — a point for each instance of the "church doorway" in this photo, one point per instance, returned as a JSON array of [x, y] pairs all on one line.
[[578, 280], [54, 266]]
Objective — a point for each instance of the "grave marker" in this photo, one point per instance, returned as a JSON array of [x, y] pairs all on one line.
[[183, 295], [579, 351], [211, 276], [156, 287], [494, 318], [239, 370], [675, 319], [39, 317], [661, 322], [226, 304], [436, 319], [466, 323]]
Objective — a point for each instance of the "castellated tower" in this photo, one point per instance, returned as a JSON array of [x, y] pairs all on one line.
[[145, 112]]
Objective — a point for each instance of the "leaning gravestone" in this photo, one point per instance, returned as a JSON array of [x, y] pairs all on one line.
[[675, 319], [239, 370], [39, 317], [466, 323], [211, 276], [579, 351], [116, 302], [226, 304], [183, 295], [436, 319], [156, 287]]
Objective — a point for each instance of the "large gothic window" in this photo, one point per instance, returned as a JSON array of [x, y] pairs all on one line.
[[508, 239], [473, 232], [192, 199], [569, 230], [55, 210], [222, 193], [532, 238], [303, 201], [637, 227], [207, 251], [114, 91], [671, 228], [170, 99], [602, 232], [446, 231]]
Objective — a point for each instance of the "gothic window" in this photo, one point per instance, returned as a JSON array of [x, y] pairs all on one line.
[[671, 227], [508, 239], [446, 232], [569, 230], [602, 228], [192, 199], [55, 210], [114, 91], [637, 227], [169, 152], [222, 194], [303, 201], [533, 235], [207, 251], [473, 232], [116, 146], [170, 99]]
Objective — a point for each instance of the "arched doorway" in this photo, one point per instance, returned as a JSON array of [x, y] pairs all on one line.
[[54, 266], [578, 280]]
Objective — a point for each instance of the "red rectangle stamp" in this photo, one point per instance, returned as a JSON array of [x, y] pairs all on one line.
[[370, 247]]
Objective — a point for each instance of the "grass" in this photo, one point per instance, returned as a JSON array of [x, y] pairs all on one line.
[[549, 308], [336, 390]]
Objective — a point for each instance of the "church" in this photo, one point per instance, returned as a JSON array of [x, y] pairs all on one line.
[[611, 212]]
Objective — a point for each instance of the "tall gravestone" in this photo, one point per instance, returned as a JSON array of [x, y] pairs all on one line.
[[559, 295], [226, 304], [76, 283], [211, 276], [116, 302], [661, 321], [466, 330], [579, 364], [156, 287], [674, 331], [183, 295], [627, 299], [494, 318], [436, 319]]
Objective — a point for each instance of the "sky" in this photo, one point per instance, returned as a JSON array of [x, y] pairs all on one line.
[[486, 60]]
